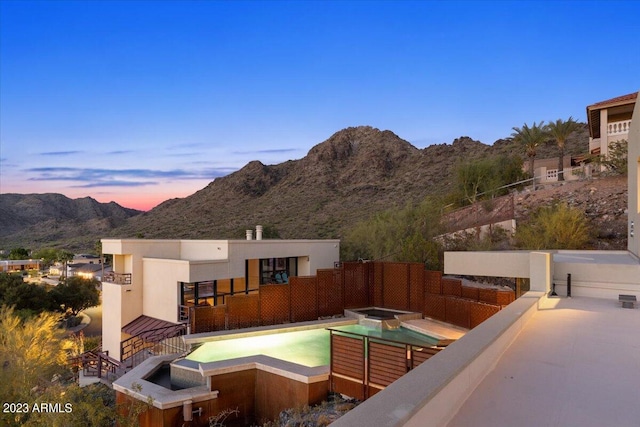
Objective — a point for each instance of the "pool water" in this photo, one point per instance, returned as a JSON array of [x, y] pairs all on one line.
[[309, 347], [400, 335]]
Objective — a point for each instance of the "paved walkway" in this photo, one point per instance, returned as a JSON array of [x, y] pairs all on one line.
[[577, 364]]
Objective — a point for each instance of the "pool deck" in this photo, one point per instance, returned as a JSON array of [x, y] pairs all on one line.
[[575, 363], [435, 329]]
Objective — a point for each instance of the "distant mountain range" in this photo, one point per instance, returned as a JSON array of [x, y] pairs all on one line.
[[52, 220], [355, 173]]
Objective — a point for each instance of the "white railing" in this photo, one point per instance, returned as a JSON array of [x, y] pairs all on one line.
[[617, 128]]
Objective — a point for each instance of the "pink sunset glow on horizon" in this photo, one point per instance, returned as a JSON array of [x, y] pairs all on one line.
[[143, 198]]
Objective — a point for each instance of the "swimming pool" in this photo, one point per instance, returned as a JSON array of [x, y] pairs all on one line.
[[307, 347]]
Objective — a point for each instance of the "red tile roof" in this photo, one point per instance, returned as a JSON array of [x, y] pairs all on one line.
[[616, 100]]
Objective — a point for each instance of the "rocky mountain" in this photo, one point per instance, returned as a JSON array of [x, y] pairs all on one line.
[[352, 175], [54, 220], [355, 173]]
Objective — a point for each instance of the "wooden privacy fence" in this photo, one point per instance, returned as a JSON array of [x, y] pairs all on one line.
[[448, 300], [393, 285], [361, 365]]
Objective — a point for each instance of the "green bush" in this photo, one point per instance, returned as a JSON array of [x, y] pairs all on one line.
[[555, 227]]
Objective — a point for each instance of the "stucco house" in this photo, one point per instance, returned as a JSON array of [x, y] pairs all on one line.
[[153, 281], [609, 121], [12, 265]]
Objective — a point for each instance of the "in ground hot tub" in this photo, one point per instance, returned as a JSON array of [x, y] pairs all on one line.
[[381, 318]]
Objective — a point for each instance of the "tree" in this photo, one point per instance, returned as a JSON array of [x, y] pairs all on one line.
[[29, 298], [64, 257], [31, 352], [26, 298], [19, 253], [560, 131], [8, 282], [47, 255], [75, 294], [486, 177], [616, 161], [93, 405], [399, 234], [33, 368], [554, 227], [530, 138]]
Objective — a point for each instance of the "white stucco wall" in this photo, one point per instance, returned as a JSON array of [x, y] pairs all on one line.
[[492, 264], [161, 278], [634, 182], [204, 249], [534, 265], [111, 318]]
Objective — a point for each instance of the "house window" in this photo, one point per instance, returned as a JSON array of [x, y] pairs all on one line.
[[199, 293], [277, 270]]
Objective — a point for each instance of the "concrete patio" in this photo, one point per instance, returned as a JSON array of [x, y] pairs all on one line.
[[576, 362]]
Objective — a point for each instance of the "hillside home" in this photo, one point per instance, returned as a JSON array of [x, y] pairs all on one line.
[[609, 121], [154, 282], [546, 170]]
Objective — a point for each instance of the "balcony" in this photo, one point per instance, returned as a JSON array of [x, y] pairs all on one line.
[[617, 128], [117, 278]]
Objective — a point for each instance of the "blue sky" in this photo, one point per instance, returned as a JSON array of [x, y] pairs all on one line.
[[139, 102]]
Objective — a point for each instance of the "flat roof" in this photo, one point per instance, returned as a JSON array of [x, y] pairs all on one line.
[[575, 362], [596, 257]]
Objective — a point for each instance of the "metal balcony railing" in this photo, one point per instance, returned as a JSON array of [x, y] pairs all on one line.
[[117, 278]]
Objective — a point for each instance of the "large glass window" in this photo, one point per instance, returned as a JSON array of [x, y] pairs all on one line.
[[200, 293], [277, 270]]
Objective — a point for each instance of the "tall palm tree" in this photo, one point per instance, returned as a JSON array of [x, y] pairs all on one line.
[[560, 131], [530, 138]]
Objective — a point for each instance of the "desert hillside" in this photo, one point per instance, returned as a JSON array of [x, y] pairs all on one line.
[[350, 176]]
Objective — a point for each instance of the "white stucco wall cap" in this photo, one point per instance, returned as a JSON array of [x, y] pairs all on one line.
[[161, 398], [283, 368]]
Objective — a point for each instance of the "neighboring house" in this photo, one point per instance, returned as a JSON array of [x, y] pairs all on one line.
[[155, 280], [546, 170], [609, 121], [86, 259], [9, 265]]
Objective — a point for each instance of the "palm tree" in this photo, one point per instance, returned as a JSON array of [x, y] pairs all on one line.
[[530, 138], [560, 131]]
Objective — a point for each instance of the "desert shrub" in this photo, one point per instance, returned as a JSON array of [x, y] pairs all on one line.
[[616, 161], [555, 227]]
